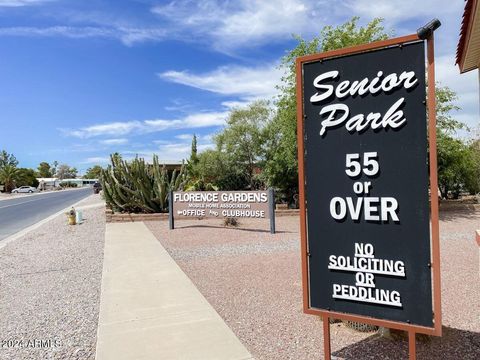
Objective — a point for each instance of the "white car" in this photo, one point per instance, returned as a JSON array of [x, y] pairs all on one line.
[[24, 189]]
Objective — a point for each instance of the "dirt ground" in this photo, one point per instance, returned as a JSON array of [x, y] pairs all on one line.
[[253, 280]]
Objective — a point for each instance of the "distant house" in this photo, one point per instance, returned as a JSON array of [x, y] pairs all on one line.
[[52, 183], [171, 165], [80, 182], [48, 183]]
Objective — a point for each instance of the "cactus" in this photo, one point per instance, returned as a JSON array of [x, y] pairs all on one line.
[[138, 187]]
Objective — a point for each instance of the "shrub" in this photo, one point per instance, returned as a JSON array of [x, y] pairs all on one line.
[[231, 222], [68, 184]]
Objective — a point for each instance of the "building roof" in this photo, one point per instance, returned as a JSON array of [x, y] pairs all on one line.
[[468, 48], [48, 179]]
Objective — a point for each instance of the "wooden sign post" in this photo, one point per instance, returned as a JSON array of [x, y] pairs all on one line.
[[369, 253]]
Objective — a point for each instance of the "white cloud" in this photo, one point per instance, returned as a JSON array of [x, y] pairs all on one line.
[[128, 35], [184, 136], [18, 3], [406, 16], [246, 82], [161, 142], [205, 119], [234, 104], [208, 137], [120, 128], [244, 22], [96, 160], [114, 128], [66, 31], [173, 150], [200, 138], [159, 125], [190, 121], [231, 25], [178, 107], [394, 11], [168, 151], [114, 141]]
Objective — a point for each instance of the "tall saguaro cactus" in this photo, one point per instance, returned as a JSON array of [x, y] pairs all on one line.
[[135, 186]]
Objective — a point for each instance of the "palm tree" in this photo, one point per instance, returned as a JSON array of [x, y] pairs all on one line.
[[8, 174]]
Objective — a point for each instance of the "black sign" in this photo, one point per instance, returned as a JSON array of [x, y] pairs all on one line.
[[367, 184]]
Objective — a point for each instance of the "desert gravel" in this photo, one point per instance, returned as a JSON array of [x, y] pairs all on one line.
[[50, 288], [253, 280]]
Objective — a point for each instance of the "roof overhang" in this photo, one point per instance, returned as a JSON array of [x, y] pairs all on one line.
[[468, 49]]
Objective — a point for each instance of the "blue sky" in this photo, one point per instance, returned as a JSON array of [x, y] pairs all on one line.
[[83, 79]]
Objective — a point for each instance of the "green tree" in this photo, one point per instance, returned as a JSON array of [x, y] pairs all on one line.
[[54, 167], [281, 168], [94, 172], [458, 162], [211, 165], [44, 170], [197, 173], [8, 170], [458, 168], [445, 105], [64, 171], [192, 164], [243, 140], [473, 183], [7, 159], [8, 174], [193, 153], [216, 171], [25, 177]]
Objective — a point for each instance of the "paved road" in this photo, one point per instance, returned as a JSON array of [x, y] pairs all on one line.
[[19, 213]]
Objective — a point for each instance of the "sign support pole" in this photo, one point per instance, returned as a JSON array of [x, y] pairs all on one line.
[[271, 208], [326, 338], [412, 348], [171, 223], [432, 137]]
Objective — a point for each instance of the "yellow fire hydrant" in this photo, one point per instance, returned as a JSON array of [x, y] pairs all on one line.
[[71, 217]]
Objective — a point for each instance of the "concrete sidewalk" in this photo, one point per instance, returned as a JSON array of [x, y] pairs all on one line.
[[150, 309]]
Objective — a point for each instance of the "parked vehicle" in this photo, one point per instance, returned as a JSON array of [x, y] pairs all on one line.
[[24, 189], [97, 187]]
